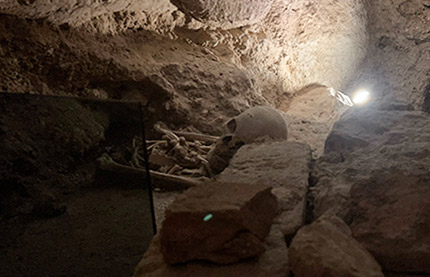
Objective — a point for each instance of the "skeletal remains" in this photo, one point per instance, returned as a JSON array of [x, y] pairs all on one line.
[[183, 159]]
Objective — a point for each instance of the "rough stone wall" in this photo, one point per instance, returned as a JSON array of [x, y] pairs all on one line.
[[225, 14], [310, 42], [176, 81], [296, 44], [398, 61], [285, 45], [76, 12], [202, 61]]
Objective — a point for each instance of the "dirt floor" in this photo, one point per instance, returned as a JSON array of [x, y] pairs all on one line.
[[103, 233]]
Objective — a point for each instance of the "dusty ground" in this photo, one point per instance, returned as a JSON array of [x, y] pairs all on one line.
[[103, 233], [161, 201]]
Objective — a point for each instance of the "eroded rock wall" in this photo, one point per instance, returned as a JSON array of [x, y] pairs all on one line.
[[286, 44], [201, 61], [177, 82], [398, 61]]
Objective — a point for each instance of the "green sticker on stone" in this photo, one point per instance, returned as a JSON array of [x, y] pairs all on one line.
[[208, 217]]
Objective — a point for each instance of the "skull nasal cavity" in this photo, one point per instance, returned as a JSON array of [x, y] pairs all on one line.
[[231, 125], [227, 139]]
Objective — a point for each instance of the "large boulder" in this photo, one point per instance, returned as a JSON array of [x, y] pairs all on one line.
[[391, 219], [366, 142], [218, 222], [326, 248], [373, 175]]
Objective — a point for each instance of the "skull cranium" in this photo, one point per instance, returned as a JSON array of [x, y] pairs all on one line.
[[252, 125]]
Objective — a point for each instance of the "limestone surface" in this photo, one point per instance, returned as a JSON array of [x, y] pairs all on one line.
[[283, 165], [326, 248], [272, 263], [307, 122], [218, 222], [391, 219], [225, 14], [373, 175], [397, 64], [263, 51]]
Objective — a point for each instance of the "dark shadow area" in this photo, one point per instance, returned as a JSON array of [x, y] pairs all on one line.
[[56, 218]]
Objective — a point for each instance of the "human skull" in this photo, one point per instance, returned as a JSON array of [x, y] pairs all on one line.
[[256, 123], [252, 125]]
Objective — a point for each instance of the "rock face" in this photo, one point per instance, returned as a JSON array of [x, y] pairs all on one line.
[[397, 64], [225, 14], [391, 219], [262, 52], [171, 85], [77, 12], [218, 222], [271, 37], [365, 142], [307, 122], [373, 174], [326, 248], [283, 165]]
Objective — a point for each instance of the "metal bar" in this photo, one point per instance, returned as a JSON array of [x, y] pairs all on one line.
[[148, 175]]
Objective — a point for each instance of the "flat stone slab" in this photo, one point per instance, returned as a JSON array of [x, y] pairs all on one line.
[[218, 222], [283, 165]]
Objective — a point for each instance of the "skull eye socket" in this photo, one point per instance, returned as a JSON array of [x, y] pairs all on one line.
[[231, 125]]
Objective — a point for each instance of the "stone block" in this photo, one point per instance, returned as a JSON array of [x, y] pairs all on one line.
[[219, 222]]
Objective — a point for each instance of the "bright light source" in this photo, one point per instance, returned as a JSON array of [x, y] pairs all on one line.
[[361, 97]]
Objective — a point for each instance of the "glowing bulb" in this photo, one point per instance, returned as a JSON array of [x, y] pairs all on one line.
[[361, 97]]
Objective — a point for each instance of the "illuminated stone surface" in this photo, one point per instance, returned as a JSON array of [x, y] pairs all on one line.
[[283, 165], [226, 14]]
